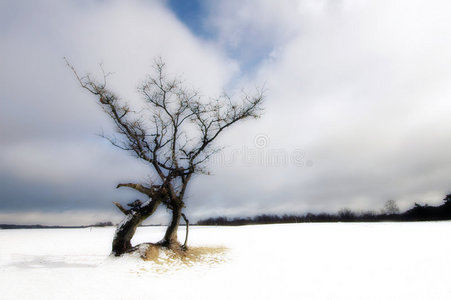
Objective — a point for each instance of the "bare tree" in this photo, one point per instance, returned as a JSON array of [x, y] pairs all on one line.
[[174, 135], [391, 207]]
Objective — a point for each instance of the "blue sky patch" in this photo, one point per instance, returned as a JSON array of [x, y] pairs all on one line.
[[192, 13]]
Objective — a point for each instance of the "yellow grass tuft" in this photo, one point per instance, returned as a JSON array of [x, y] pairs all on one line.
[[193, 255]]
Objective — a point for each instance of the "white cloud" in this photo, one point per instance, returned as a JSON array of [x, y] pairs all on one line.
[[361, 87], [48, 123]]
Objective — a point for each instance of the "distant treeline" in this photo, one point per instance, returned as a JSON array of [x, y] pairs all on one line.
[[389, 213], [417, 213], [14, 226]]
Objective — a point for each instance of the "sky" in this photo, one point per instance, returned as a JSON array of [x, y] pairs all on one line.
[[356, 111]]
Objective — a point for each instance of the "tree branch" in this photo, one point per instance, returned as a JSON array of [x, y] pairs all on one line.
[[121, 208], [139, 187]]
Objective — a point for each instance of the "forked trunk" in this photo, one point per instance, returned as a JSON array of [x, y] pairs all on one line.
[[127, 227]]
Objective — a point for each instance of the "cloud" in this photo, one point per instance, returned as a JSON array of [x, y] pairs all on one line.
[[249, 28], [50, 156], [65, 218], [360, 89]]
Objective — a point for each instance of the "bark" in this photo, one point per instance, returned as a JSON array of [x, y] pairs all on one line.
[[170, 237], [126, 229]]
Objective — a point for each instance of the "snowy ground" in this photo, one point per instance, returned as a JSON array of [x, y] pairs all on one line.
[[293, 261]]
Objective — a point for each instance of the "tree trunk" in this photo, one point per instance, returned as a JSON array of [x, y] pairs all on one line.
[[127, 227], [170, 237]]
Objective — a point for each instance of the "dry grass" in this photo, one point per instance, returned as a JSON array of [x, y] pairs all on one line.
[[193, 255]]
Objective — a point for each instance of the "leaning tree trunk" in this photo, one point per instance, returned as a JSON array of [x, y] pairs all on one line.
[[126, 229]]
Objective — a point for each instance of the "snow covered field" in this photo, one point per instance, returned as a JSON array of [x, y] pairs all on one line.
[[292, 261]]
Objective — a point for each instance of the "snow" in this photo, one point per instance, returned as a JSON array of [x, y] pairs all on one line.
[[123, 222], [290, 261]]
